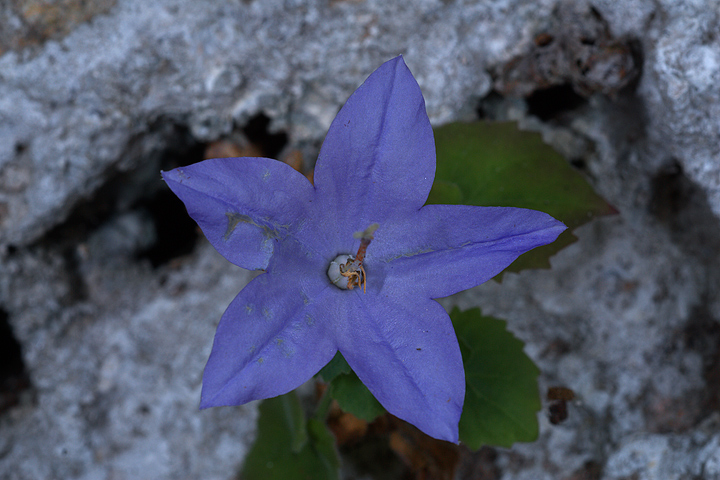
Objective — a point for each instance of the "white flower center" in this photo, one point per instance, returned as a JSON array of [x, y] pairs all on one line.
[[334, 273], [346, 271]]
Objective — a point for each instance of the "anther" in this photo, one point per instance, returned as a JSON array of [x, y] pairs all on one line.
[[351, 268]]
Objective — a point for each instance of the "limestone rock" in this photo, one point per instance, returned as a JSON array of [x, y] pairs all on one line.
[[113, 297]]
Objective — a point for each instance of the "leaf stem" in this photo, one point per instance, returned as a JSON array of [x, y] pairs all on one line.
[[323, 407]]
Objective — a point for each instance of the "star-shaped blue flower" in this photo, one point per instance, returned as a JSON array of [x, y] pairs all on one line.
[[376, 166]]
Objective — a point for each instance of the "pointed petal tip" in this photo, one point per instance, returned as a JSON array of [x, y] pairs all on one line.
[[453, 436], [173, 175], [166, 177], [398, 59], [380, 147], [559, 227], [547, 225], [218, 399], [421, 380], [448, 432], [398, 63], [206, 400]]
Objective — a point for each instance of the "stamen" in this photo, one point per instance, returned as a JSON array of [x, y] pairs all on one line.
[[353, 268], [354, 277]]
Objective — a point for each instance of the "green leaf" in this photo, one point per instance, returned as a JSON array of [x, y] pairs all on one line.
[[346, 388], [323, 442], [338, 365], [288, 447], [354, 397], [501, 396], [495, 164]]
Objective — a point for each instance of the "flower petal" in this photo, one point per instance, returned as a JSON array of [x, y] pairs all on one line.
[[408, 356], [378, 159], [445, 249], [274, 335], [242, 205]]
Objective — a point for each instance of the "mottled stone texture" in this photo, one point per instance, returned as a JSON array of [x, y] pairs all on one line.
[[113, 298], [31, 22]]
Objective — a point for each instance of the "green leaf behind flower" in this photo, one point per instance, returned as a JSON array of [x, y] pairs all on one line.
[[501, 396], [354, 397], [289, 447], [349, 391], [337, 366], [495, 164]]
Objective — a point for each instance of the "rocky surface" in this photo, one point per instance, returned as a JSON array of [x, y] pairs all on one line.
[[113, 299], [115, 353]]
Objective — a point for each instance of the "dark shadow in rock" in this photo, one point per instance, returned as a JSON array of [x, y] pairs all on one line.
[[140, 190], [372, 456], [702, 335], [166, 145], [14, 379], [683, 207], [257, 132], [548, 103], [574, 46], [579, 163], [175, 231], [478, 464], [591, 470], [87, 215], [490, 106], [78, 288]]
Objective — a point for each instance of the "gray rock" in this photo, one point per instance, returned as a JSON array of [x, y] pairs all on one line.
[[116, 376], [667, 457], [680, 90], [76, 109], [595, 323], [94, 97]]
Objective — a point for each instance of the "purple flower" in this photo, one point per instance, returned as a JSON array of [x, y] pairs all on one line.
[[318, 294]]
